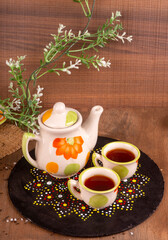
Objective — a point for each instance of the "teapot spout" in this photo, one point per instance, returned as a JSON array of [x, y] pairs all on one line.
[[91, 125]]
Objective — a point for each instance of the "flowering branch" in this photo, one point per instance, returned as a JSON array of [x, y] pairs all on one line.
[[44, 64], [24, 107], [17, 110], [65, 40]]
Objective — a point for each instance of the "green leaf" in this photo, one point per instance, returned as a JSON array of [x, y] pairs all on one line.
[[91, 57], [57, 73], [15, 96], [12, 79], [95, 49], [41, 62], [111, 20], [51, 70], [84, 61]]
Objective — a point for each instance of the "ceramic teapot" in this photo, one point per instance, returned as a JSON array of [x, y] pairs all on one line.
[[64, 143]]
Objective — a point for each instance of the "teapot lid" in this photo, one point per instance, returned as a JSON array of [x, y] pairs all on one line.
[[59, 116]]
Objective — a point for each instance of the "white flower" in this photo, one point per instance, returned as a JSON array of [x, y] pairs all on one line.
[[70, 34], [76, 64], [11, 85], [38, 95], [112, 16], [86, 33], [79, 33], [16, 104], [10, 63], [66, 70], [21, 58], [72, 65], [118, 14], [129, 38], [39, 90], [123, 38], [55, 36], [61, 27], [47, 47], [38, 101], [103, 63], [17, 64]]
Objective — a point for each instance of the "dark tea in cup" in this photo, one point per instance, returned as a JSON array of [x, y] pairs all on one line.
[[99, 183], [120, 155]]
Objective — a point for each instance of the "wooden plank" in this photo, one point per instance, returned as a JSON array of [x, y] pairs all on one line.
[[138, 73]]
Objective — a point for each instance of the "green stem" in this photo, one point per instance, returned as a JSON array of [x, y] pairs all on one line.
[[39, 70], [42, 75], [76, 57], [81, 50], [23, 90], [86, 1], [83, 9]]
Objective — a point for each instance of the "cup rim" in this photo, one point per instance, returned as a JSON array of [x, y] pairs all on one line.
[[99, 192], [121, 163]]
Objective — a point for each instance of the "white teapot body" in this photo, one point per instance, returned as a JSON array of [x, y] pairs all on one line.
[[62, 152]]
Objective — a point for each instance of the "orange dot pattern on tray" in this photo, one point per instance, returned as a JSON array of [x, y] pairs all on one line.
[[52, 167], [69, 147]]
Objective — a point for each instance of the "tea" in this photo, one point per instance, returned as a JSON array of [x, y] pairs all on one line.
[[99, 183], [120, 155]]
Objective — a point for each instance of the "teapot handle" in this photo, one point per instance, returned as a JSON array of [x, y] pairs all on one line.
[[25, 141]]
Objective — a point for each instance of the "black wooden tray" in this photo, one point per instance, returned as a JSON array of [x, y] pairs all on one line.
[[47, 202]]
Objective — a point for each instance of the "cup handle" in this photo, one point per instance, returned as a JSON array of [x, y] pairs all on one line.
[[95, 158], [25, 141], [71, 186]]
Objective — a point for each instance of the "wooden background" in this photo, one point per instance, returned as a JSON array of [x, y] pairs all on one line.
[[137, 81], [138, 73]]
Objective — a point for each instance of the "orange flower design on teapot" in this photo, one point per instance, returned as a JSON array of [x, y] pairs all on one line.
[[69, 147]]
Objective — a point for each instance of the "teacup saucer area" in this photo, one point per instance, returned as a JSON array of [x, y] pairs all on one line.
[[47, 202]]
